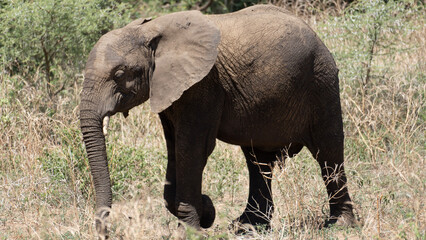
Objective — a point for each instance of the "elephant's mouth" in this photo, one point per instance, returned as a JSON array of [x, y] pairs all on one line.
[[109, 114], [123, 102], [106, 119]]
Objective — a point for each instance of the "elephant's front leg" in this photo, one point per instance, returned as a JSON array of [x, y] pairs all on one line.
[[190, 140], [192, 126], [170, 182], [193, 146]]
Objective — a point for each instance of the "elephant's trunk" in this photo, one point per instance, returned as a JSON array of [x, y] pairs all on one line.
[[94, 139]]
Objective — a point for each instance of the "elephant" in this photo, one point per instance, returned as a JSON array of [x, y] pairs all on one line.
[[259, 78]]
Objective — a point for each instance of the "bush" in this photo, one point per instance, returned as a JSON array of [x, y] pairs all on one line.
[[53, 37], [376, 47]]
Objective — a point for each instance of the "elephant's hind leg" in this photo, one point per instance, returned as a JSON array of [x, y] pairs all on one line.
[[328, 151], [260, 206]]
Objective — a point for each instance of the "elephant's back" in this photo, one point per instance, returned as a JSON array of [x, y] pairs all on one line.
[[254, 11], [266, 24]]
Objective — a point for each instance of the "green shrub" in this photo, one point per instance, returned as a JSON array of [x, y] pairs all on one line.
[[375, 48], [53, 37], [375, 28]]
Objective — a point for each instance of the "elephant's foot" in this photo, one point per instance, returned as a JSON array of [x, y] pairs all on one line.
[[188, 214], [209, 212], [249, 223], [345, 219]]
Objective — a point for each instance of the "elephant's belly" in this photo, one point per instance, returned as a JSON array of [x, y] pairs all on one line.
[[264, 133], [267, 143]]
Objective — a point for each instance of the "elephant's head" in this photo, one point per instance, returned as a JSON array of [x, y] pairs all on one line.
[[156, 60]]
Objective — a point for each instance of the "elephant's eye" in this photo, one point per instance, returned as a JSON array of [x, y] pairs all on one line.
[[119, 74]]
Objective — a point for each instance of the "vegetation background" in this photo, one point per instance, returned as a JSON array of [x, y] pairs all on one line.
[[46, 190]]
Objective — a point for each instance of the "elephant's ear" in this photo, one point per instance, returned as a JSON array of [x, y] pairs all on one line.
[[185, 45]]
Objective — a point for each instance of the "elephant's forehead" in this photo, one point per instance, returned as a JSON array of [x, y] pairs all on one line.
[[109, 51]]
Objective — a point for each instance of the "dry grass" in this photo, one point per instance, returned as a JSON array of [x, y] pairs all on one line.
[[306, 8], [46, 192]]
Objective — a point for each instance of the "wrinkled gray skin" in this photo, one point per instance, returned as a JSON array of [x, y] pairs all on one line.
[[259, 78]]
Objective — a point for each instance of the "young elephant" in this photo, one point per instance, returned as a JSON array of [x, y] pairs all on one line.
[[259, 78]]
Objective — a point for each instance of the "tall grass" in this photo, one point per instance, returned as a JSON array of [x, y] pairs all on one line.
[[46, 190]]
